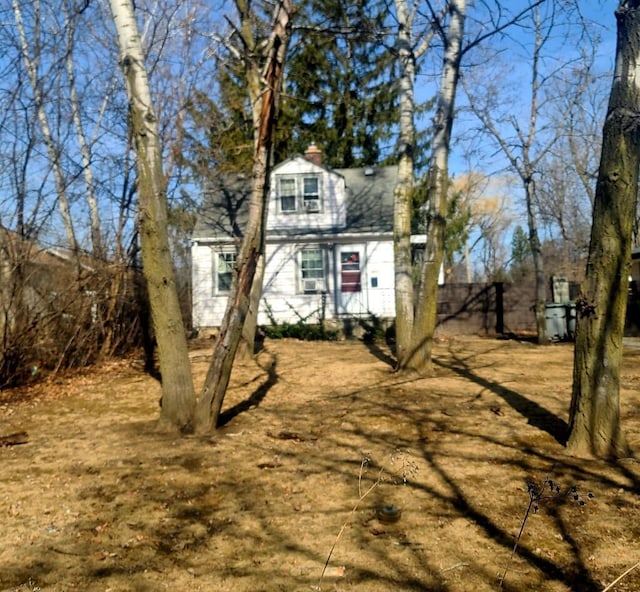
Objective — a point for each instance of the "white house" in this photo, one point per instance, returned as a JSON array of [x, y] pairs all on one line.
[[329, 244], [635, 265]]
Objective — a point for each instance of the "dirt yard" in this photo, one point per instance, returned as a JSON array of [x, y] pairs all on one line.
[[321, 445]]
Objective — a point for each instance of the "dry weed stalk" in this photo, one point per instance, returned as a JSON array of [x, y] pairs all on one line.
[[547, 491], [409, 467], [621, 576]]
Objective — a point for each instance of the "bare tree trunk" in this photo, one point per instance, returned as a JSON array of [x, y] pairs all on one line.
[[264, 87], [178, 396], [594, 421], [530, 194], [404, 290], [416, 316], [85, 149], [526, 151], [539, 309], [247, 347], [418, 357]]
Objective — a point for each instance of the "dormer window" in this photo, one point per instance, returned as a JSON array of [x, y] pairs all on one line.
[[299, 193], [311, 194], [287, 194]]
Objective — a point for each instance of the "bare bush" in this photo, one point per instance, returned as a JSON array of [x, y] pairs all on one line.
[[59, 311]]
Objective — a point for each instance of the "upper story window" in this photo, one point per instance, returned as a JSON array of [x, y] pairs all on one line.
[[311, 194], [299, 193], [287, 194]]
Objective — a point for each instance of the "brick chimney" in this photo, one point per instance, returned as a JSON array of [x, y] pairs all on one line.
[[314, 154]]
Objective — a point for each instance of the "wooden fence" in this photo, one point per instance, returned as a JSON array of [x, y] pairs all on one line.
[[486, 309], [506, 308]]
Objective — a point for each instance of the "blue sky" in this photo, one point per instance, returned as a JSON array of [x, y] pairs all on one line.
[[601, 20], [510, 71]]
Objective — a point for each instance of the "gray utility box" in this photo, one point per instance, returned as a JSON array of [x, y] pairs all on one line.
[[561, 320]]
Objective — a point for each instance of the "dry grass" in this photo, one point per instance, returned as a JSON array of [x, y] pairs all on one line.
[[98, 500]]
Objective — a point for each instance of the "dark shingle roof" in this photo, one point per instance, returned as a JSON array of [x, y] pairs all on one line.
[[370, 198], [224, 210]]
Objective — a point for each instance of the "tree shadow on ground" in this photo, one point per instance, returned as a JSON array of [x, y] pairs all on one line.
[[256, 397], [579, 574], [160, 508], [457, 502], [461, 500], [375, 333], [536, 414], [379, 352]]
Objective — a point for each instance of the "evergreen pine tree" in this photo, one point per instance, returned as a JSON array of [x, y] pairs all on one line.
[[339, 91], [219, 138], [521, 259], [339, 94]]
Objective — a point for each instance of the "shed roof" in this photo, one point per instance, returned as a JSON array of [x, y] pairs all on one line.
[[369, 204]]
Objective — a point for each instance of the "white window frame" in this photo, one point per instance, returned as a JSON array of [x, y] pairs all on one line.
[[315, 275], [305, 201], [229, 256], [282, 195], [311, 199]]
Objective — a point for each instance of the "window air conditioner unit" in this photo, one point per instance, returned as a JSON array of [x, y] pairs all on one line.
[[312, 205], [310, 285]]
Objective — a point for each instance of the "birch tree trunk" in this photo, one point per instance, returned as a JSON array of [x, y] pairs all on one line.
[[594, 421], [402, 214], [178, 396], [418, 357], [31, 63], [85, 149], [264, 84]]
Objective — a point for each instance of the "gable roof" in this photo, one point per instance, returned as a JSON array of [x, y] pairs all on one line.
[[369, 204]]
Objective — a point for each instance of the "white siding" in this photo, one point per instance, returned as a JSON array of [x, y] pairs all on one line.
[[282, 299], [380, 270], [332, 189], [208, 307]]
